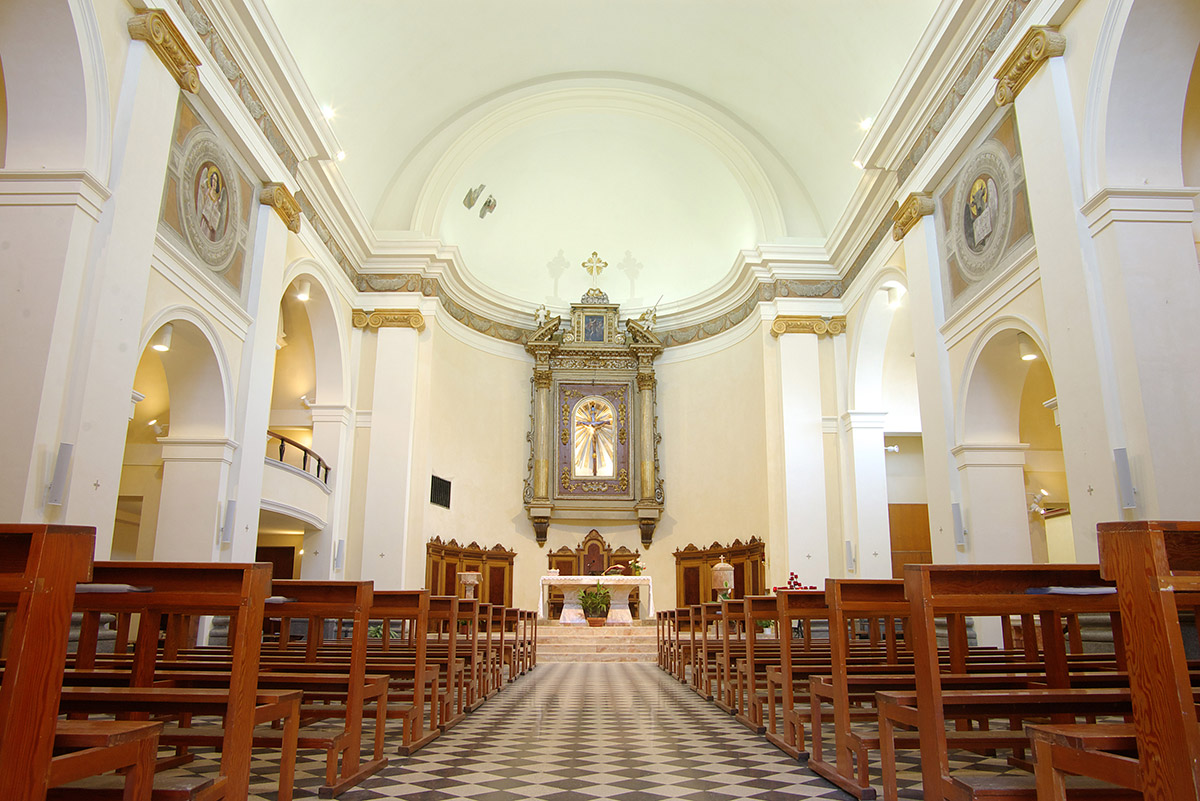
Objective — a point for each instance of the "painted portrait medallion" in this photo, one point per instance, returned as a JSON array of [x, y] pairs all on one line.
[[983, 212], [209, 201]]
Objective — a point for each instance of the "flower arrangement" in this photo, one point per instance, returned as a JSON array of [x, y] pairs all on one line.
[[793, 584]]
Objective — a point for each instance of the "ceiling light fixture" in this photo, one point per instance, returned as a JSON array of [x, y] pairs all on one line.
[[341, 155], [302, 290], [865, 125], [895, 294], [327, 112], [1045, 493], [1026, 347], [858, 164], [473, 195], [162, 341], [152, 422]]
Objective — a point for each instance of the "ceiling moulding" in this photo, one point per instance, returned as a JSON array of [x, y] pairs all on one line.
[[919, 109]]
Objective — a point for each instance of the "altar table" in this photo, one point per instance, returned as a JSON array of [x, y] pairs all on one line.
[[618, 586]]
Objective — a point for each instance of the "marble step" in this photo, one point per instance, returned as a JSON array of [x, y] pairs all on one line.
[[600, 632], [599, 648], [622, 657]]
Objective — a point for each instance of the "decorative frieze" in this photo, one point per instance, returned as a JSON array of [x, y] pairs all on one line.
[[1039, 43], [389, 318], [914, 207], [808, 324], [278, 197], [156, 29]]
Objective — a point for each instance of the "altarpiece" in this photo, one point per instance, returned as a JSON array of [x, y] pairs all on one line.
[[594, 429]]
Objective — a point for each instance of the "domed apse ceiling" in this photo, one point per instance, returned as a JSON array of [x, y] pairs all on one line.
[[691, 130]]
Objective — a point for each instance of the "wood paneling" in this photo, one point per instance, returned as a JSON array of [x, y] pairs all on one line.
[[445, 560], [693, 570]]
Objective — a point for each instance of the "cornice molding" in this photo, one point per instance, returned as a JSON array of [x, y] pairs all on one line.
[[389, 318], [808, 324], [1038, 44], [157, 30], [277, 196], [54, 188], [914, 207]]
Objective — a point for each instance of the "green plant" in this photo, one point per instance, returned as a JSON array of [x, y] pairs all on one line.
[[595, 601]]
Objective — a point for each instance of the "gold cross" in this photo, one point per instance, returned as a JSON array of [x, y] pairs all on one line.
[[594, 265]]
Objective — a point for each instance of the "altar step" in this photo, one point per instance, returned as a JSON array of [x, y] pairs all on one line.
[[557, 643]]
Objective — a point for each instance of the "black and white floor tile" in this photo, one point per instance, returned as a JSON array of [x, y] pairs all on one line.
[[587, 731]]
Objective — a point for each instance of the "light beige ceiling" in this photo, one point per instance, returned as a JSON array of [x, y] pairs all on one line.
[[763, 99]]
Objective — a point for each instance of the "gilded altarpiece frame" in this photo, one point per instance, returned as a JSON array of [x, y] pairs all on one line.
[[593, 425]]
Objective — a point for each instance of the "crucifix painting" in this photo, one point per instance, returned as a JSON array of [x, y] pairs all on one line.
[[593, 449]]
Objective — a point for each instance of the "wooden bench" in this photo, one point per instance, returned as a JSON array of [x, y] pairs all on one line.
[[39, 568], [960, 590], [1156, 566]]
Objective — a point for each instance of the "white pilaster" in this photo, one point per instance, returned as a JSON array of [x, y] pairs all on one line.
[[803, 456], [867, 526], [386, 507], [195, 475], [1081, 342], [926, 311], [332, 441], [255, 383]]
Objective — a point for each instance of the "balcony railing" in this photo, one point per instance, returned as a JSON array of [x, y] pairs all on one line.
[[307, 455]]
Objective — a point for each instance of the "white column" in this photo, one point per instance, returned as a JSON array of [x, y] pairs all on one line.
[[195, 475], [927, 313], [803, 457], [866, 493], [332, 442], [1081, 339], [995, 512], [389, 462], [1146, 252], [255, 384], [118, 273]]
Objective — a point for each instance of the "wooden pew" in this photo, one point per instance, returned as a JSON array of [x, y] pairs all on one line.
[[802, 608], [39, 568], [237, 590], [959, 590], [1156, 566]]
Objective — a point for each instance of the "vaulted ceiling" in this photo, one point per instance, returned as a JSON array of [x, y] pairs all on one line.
[[667, 135]]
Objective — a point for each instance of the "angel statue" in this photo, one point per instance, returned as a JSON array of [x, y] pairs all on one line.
[[541, 316]]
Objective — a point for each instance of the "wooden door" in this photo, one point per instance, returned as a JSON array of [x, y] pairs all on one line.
[[281, 557], [909, 524]]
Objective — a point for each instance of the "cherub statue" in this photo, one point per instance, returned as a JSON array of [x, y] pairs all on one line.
[[541, 316]]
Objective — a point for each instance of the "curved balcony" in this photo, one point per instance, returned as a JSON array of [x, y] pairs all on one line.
[[295, 482]]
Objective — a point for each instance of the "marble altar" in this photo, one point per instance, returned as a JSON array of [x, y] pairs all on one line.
[[618, 586]]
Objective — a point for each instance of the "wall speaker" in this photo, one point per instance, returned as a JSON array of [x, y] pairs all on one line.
[[339, 554], [62, 469], [850, 563], [1125, 479], [227, 523], [960, 531]]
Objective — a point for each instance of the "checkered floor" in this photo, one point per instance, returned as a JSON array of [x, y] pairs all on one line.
[[586, 731], [579, 732]]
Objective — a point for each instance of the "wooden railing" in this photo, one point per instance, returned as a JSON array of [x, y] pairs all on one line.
[[306, 455]]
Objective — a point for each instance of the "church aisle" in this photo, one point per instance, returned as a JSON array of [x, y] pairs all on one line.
[[577, 732]]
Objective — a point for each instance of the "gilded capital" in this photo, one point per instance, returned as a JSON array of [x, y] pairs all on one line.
[[543, 379], [646, 381], [389, 318], [808, 324], [914, 207], [156, 29], [1039, 43], [279, 198]]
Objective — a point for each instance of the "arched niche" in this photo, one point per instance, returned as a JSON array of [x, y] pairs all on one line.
[[56, 110], [1137, 94], [325, 333]]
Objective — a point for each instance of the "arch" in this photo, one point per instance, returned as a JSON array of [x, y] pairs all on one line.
[[329, 327], [1136, 94], [57, 109], [197, 374], [865, 382], [989, 398]]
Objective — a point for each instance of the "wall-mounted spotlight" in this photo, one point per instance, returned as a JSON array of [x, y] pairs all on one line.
[[892, 448], [473, 196], [162, 340], [303, 288], [1026, 347], [895, 294], [488, 207]]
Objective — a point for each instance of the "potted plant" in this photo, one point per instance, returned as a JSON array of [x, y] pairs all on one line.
[[595, 601]]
